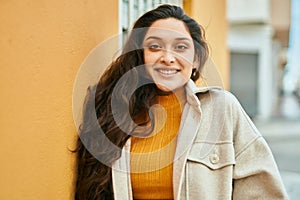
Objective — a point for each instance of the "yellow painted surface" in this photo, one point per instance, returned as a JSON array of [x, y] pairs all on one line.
[[212, 16], [42, 45]]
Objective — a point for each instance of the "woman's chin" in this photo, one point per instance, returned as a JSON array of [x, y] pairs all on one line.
[[165, 88]]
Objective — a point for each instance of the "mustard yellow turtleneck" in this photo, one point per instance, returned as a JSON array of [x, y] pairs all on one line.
[[152, 157]]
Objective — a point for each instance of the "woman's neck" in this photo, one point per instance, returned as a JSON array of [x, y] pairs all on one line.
[[172, 99]]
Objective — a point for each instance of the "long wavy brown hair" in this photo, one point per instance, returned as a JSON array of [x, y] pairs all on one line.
[[95, 155]]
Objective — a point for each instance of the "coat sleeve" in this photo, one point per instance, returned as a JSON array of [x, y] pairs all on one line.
[[255, 174]]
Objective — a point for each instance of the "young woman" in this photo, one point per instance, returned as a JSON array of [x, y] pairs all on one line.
[[149, 133]]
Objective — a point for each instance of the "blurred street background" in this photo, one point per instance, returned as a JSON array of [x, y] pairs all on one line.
[[283, 136], [264, 48]]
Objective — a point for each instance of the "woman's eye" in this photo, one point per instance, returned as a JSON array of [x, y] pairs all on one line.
[[154, 46], [181, 47]]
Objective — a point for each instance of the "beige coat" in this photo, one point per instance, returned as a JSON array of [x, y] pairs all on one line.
[[219, 154]]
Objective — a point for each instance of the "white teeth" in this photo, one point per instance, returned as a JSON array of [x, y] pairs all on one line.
[[167, 71]]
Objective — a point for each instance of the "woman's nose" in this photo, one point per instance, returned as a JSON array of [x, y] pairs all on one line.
[[167, 57]]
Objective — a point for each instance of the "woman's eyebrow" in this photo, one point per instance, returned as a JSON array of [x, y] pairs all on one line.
[[158, 38], [153, 37], [183, 38]]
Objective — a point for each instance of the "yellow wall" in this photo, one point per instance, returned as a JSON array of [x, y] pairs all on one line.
[[42, 45], [212, 16]]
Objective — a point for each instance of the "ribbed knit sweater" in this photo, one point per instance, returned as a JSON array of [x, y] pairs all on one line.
[[152, 156]]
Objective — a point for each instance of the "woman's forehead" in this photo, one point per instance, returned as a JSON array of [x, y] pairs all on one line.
[[169, 27]]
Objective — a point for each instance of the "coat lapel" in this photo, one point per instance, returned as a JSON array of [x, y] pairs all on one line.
[[121, 175], [190, 123], [185, 140]]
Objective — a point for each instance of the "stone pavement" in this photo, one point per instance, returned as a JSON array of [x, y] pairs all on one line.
[[283, 137]]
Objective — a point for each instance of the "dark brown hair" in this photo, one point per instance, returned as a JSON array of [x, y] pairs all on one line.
[[95, 155]]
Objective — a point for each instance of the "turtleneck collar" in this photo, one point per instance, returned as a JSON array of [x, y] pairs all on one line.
[[173, 99]]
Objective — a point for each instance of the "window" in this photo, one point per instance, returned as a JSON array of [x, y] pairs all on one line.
[[130, 10]]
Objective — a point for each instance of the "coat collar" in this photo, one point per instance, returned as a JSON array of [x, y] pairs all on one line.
[[192, 89]]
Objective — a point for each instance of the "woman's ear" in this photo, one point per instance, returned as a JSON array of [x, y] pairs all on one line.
[[196, 62], [195, 71], [195, 66]]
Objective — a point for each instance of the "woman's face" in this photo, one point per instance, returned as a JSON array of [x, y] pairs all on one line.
[[169, 54]]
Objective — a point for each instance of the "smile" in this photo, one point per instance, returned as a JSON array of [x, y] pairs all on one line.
[[167, 71]]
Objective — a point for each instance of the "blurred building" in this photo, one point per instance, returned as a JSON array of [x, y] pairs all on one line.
[[258, 34], [290, 104], [291, 80]]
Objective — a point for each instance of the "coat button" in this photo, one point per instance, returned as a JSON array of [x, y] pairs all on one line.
[[214, 158]]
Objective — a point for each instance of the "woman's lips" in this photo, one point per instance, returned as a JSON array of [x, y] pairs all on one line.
[[167, 71]]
